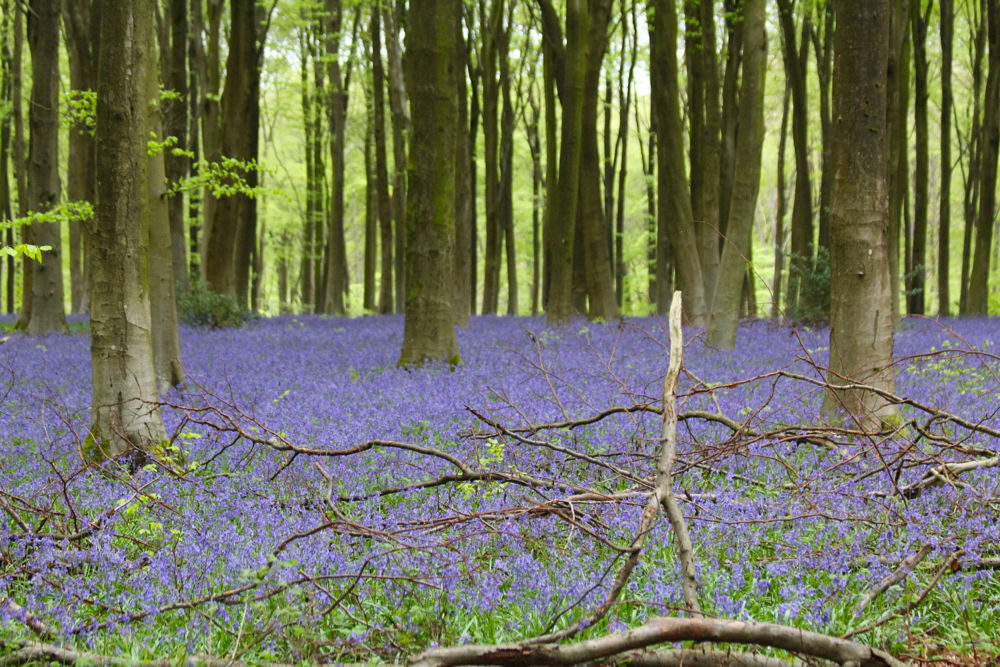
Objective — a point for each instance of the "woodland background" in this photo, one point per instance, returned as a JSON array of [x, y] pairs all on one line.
[[312, 102]]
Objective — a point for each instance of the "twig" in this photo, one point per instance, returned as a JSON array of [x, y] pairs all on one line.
[[901, 573]]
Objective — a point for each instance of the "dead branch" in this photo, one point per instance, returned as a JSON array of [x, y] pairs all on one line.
[[657, 631], [901, 573]]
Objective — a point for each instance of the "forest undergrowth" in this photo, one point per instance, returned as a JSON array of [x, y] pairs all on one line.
[[317, 504]]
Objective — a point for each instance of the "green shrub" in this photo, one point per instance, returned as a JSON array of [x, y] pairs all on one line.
[[199, 306]]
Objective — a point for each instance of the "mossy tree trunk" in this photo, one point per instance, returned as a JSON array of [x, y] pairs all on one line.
[[125, 412], [861, 318], [430, 61]]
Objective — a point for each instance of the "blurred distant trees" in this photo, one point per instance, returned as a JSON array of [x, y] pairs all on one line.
[[600, 163]]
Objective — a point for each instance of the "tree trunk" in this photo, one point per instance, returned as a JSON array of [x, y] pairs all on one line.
[[125, 411], [506, 208], [175, 123], [674, 217], [489, 55], [80, 29], [6, 102], [335, 278], [973, 149], [735, 260], [705, 148], [162, 281], [990, 145], [896, 117], [371, 213], [48, 314], [400, 129], [823, 47], [463, 188], [916, 273], [861, 327], [781, 208], [209, 65], [802, 220], [20, 162], [597, 255], [430, 63], [383, 203], [947, 12]]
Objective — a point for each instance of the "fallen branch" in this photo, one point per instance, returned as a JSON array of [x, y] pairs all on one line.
[[657, 631], [901, 573]]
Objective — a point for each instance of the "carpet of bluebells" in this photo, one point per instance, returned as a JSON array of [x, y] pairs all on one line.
[[241, 547]]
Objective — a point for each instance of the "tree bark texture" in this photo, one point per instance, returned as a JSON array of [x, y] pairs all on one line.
[[990, 146], [335, 277], [862, 321], [735, 259], [430, 62], [464, 268], [80, 24], [916, 269], [125, 410], [674, 218], [231, 233], [947, 12], [175, 124], [162, 280], [48, 312]]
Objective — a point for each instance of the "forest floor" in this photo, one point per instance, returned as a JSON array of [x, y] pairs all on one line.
[[318, 504]]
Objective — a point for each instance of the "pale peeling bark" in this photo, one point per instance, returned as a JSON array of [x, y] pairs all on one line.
[[861, 322], [431, 56], [724, 312], [125, 410]]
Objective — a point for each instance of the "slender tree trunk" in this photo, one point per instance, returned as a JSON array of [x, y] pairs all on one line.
[[979, 275], [209, 63], [314, 213], [48, 314], [781, 208], [163, 303], [463, 188], [549, 243], [974, 149], [371, 210], [506, 208], [18, 154], [916, 274], [597, 255], [125, 411], [493, 36], [947, 13], [431, 58], [674, 217], [382, 171], [896, 117], [862, 322], [80, 29], [6, 102], [335, 278], [802, 220], [175, 124], [735, 260], [823, 47], [400, 119]]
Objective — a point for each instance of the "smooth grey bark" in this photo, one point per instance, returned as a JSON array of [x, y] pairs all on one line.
[[861, 318], [126, 416], [47, 312], [162, 280]]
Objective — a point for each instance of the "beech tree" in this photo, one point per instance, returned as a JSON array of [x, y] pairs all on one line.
[[862, 321], [430, 61], [125, 411]]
